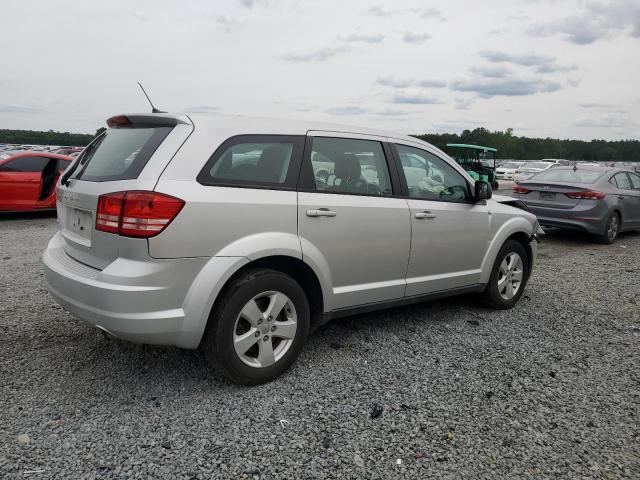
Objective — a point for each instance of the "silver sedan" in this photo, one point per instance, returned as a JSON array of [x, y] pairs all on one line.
[[602, 201]]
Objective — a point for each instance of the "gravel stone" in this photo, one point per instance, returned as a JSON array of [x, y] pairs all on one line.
[[550, 389]]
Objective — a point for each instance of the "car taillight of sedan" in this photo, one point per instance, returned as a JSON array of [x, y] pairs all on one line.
[[587, 195]]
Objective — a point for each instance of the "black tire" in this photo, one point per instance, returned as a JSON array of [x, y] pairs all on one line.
[[609, 236], [491, 295], [494, 185], [219, 347]]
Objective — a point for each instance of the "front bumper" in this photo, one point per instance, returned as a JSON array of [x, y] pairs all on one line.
[[140, 301]]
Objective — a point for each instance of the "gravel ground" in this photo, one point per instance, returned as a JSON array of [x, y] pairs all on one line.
[[548, 389]]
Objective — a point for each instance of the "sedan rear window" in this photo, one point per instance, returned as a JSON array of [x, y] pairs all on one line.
[[568, 176], [121, 153]]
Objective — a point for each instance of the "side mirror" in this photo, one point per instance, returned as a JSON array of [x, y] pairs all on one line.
[[482, 191]]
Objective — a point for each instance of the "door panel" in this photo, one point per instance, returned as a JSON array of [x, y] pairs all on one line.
[[19, 190], [365, 244], [348, 217], [449, 233], [447, 245]]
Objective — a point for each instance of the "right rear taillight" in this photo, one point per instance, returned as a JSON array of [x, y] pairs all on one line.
[[519, 189], [137, 214], [587, 195]]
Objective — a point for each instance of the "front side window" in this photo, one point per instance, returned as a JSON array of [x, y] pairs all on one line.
[[431, 178], [345, 165], [635, 181], [256, 160], [26, 164]]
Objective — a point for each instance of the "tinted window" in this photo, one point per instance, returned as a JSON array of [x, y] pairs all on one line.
[[622, 181], [63, 165], [568, 176], [635, 181], [432, 178], [260, 160], [344, 165], [121, 153], [26, 164]]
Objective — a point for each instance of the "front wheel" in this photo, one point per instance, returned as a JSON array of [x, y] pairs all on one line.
[[258, 327], [508, 277]]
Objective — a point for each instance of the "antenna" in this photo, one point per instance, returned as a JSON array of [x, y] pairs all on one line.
[[153, 109]]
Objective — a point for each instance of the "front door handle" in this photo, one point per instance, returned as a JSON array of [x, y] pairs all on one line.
[[425, 214], [321, 212]]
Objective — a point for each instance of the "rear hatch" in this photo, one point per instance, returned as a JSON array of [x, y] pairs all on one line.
[[130, 155]]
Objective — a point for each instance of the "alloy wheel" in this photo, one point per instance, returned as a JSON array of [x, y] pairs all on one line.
[[265, 329], [510, 276], [612, 228]]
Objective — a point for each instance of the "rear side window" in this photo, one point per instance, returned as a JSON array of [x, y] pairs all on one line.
[[121, 153], [345, 165], [621, 181], [25, 164], [270, 161]]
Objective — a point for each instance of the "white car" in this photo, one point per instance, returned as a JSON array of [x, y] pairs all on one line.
[[507, 171], [529, 169], [240, 234]]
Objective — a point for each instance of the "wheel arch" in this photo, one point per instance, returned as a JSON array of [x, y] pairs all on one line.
[[518, 229]]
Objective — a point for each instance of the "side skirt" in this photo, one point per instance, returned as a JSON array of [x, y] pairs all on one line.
[[398, 302]]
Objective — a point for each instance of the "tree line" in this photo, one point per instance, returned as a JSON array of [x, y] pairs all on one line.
[[33, 137], [508, 144], [526, 148]]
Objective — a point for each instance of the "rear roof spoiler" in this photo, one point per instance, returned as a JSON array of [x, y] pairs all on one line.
[[150, 119]]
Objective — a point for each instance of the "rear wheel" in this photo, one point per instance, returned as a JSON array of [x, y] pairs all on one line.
[[258, 327], [611, 230], [508, 277]]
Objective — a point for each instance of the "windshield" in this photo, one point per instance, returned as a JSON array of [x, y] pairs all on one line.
[[568, 176], [121, 153], [535, 165]]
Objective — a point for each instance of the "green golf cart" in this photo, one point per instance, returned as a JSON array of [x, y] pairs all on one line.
[[478, 161]]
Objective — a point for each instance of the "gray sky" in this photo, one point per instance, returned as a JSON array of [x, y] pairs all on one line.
[[568, 69]]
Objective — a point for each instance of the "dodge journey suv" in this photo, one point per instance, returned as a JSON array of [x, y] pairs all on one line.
[[239, 235]]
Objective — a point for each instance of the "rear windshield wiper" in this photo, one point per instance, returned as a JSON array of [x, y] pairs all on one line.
[[81, 160]]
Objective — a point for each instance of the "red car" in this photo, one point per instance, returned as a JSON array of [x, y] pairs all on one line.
[[28, 180]]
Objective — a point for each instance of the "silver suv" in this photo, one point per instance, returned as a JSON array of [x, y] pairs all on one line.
[[241, 234]]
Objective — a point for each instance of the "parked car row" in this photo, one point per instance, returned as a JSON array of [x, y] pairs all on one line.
[[518, 170], [59, 149]]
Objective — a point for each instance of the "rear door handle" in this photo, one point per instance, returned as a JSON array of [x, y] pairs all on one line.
[[425, 214], [321, 212]]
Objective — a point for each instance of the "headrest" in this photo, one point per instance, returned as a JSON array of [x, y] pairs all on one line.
[[347, 166]]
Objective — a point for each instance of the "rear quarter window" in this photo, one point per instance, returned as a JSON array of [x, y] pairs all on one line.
[[121, 153], [266, 161]]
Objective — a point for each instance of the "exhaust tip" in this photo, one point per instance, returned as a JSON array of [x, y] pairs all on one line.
[[106, 333]]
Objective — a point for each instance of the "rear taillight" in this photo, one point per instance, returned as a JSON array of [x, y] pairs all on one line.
[[519, 189], [108, 213], [137, 213], [587, 195]]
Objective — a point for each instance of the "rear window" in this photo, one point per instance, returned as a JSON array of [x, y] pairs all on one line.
[[568, 176], [511, 165], [121, 153]]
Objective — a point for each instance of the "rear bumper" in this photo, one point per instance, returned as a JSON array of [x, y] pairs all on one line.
[[591, 221], [139, 301]]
